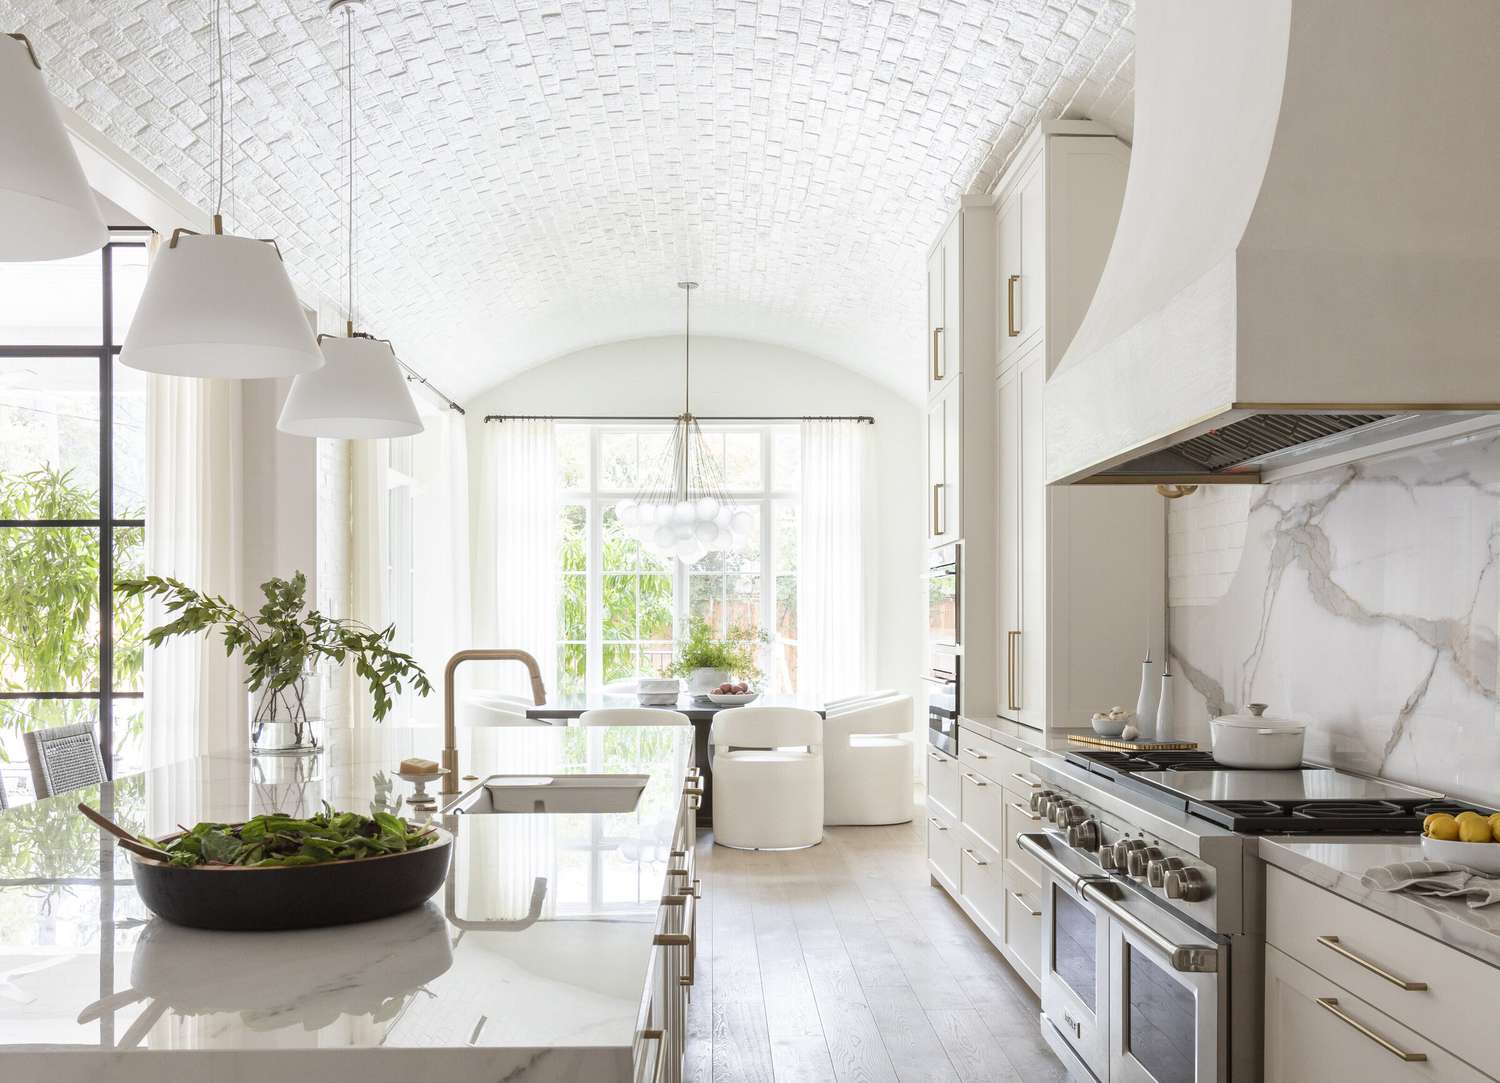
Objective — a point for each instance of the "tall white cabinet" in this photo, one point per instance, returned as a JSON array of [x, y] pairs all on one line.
[[960, 348], [1080, 570]]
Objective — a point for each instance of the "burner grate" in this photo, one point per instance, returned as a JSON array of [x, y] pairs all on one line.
[[1373, 817]]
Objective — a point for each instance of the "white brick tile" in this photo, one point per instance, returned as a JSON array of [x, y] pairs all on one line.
[[535, 179]]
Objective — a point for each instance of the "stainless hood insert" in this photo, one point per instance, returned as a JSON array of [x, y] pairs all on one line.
[[1308, 255]]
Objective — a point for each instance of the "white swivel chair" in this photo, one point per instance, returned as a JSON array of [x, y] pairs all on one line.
[[850, 701], [767, 778], [486, 707], [633, 716], [867, 762]]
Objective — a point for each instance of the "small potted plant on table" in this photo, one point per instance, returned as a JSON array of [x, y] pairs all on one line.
[[282, 644], [708, 661]]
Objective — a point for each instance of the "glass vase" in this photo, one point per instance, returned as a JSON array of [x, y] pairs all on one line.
[[287, 719]]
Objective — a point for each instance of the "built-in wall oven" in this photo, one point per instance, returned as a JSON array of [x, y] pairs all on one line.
[[1130, 992], [943, 598], [942, 683]]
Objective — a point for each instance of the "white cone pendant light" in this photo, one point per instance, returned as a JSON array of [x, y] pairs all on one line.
[[219, 305], [47, 210], [361, 393]]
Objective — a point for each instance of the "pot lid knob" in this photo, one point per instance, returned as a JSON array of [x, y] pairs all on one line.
[[1257, 709]]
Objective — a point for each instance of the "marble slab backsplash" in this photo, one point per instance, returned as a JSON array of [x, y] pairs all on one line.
[[1363, 600]]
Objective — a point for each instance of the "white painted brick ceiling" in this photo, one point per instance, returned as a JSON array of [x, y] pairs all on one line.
[[535, 177]]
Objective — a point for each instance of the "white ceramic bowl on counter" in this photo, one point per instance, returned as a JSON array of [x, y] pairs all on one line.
[[1254, 741], [1482, 857]]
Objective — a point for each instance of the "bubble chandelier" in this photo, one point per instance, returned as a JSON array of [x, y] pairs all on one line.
[[683, 512]]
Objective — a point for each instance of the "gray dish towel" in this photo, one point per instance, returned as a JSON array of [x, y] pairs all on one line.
[[1434, 878]]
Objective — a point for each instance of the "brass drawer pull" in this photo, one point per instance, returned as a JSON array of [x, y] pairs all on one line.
[[978, 755], [975, 779], [1024, 811], [939, 519], [1023, 780], [938, 372], [1024, 904], [1010, 306], [1331, 1006], [975, 858], [1332, 944]]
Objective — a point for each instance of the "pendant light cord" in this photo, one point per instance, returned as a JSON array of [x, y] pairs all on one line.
[[687, 348], [216, 45], [349, 151]]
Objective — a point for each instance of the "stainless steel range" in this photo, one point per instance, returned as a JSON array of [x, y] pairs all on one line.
[[1154, 905]]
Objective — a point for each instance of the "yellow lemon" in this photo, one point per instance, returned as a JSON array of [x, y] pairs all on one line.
[[1495, 824], [1474, 830], [1468, 814], [1432, 818], [1441, 826]]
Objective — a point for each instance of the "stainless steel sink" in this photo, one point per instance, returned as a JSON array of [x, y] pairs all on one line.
[[514, 794]]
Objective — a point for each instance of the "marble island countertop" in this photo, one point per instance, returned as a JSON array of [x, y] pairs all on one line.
[[1338, 863], [530, 964]]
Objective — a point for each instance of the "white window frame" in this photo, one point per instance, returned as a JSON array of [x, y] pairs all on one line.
[[596, 500]]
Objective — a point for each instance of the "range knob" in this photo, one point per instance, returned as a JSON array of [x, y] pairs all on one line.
[[1071, 815], [1107, 856], [1055, 808], [1139, 858], [1186, 884], [1038, 798], [1084, 835], [1156, 871], [1122, 851]]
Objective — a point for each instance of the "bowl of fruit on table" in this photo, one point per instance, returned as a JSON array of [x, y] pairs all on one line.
[[732, 695], [1469, 839]]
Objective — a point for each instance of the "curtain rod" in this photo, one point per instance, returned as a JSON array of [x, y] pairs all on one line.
[[863, 419], [415, 376]]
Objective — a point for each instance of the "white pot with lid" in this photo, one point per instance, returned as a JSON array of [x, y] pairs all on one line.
[[1253, 740]]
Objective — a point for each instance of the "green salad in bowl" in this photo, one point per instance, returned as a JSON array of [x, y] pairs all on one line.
[[277, 839]]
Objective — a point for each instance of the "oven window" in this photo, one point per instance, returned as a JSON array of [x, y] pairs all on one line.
[[1074, 946], [942, 608], [1161, 1020]]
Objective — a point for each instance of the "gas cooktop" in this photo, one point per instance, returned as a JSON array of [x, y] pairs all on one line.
[[1311, 799]]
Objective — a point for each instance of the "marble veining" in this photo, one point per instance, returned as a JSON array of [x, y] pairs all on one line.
[[490, 980], [1338, 864], [1365, 602]]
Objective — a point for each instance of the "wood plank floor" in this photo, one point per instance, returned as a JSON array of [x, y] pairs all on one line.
[[842, 963]]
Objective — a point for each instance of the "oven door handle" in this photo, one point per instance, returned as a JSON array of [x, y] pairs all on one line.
[[1184, 958], [1039, 846]]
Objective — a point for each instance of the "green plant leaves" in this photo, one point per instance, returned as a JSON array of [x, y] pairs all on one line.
[[279, 839]]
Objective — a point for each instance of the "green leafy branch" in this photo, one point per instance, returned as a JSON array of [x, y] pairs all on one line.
[[738, 653], [284, 637]]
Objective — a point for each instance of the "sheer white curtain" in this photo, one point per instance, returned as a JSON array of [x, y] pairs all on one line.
[[369, 554], [836, 569], [442, 622], [520, 506], [195, 701]]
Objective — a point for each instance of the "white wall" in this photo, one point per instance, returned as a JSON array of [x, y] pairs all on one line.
[[740, 378]]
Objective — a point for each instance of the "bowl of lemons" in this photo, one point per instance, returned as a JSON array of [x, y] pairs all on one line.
[[1468, 839]]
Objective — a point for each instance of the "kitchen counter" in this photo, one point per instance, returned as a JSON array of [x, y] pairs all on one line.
[[531, 964], [1338, 863], [1019, 737]]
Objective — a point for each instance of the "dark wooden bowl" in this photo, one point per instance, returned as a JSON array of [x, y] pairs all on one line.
[[293, 896]]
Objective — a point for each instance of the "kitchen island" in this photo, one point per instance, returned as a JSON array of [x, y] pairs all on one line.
[[541, 959]]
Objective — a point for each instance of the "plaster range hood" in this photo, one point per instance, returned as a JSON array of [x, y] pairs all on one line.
[[1307, 264]]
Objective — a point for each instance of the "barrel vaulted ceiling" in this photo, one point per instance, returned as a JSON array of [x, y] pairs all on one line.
[[535, 177]]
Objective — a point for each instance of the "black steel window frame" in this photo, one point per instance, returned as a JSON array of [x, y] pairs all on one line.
[[105, 351]]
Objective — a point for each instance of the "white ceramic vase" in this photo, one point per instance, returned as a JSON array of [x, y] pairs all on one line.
[[705, 680]]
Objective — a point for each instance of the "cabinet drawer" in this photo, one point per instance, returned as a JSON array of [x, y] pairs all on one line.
[[942, 783], [1370, 955], [995, 761], [982, 809], [982, 885], [1019, 818], [1023, 924], [943, 849], [1317, 1032]]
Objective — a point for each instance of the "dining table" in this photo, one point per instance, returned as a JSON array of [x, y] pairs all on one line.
[[700, 711]]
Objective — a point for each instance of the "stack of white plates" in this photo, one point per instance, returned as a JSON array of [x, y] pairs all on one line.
[[657, 691]]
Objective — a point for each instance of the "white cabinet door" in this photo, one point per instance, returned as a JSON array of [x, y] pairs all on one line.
[[937, 467], [1008, 569], [1020, 247], [1031, 646], [936, 369], [1317, 1032], [953, 296], [948, 501]]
